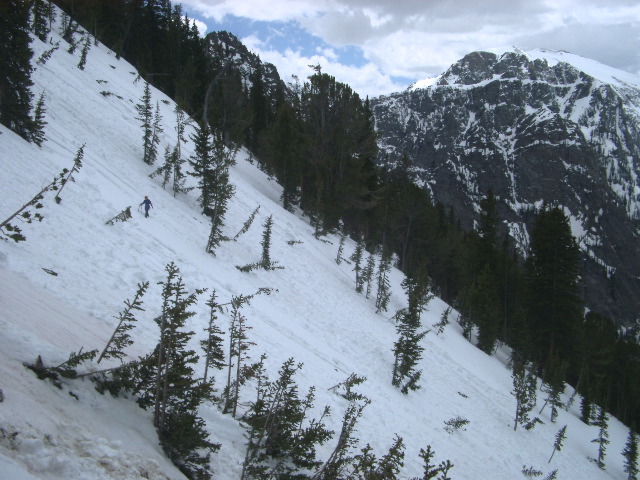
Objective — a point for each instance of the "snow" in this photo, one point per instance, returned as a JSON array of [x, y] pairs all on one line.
[[314, 314]]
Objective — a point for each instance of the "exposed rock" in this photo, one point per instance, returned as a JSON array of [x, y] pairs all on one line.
[[533, 130]]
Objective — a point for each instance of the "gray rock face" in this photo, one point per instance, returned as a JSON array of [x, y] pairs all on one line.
[[534, 131]]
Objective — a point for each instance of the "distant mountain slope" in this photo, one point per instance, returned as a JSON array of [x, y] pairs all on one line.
[[534, 127]]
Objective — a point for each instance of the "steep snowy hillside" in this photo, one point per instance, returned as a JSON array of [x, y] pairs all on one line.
[[60, 291]]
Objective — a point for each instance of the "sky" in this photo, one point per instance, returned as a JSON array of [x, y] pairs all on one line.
[[382, 46], [62, 290]]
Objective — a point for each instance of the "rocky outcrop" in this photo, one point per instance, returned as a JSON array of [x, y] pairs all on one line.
[[534, 130]]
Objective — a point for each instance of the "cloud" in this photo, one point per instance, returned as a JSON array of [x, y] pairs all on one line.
[[379, 44], [366, 80]]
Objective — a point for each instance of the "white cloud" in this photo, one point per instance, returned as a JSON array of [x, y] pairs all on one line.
[[421, 38]]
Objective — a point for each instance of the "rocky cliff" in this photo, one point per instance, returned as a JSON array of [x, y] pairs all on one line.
[[534, 127]]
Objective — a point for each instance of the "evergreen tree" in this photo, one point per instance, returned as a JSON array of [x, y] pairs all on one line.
[[237, 358], [39, 17], [84, 53], [221, 190], [367, 467], [444, 321], [77, 165], [46, 55], [37, 132], [554, 308], [166, 168], [524, 390], [247, 224], [175, 393], [15, 65], [282, 442], [487, 231], [212, 345], [483, 307], [120, 338], [156, 131], [356, 258], [367, 273], [145, 116], [602, 422], [557, 445], [283, 146], [630, 454], [343, 237], [407, 349], [24, 214], [202, 163], [340, 460], [265, 261], [553, 386], [430, 471], [383, 294]]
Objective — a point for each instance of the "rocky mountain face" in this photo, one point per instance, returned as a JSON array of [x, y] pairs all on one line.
[[534, 127], [227, 50]]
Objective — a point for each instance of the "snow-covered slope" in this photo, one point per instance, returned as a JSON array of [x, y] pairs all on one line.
[[315, 316]]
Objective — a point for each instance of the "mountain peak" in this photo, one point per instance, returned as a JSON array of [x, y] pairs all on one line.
[[482, 65]]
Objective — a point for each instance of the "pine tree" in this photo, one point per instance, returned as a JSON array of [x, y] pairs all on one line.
[[37, 132], [524, 390], [630, 454], [77, 165], [156, 131], [367, 467], [221, 191], [343, 237], [175, 393], [247, 224], [120, 338], [179, 176], [367, 273], [24, 213], [84, 53], [282, 442], [145, 115], [39, 25], [212, 345], [237, 358], [554, 307], [356, 258], [202, 163], [483, 306], [444, 321], [265, 260], [602, 422], [339, 461], [69, 30], [430, 471], [557, 445], [15, 65], [167, 167], [46, 55], [181, 123], [383, 294], [407, 349], [553, 386]]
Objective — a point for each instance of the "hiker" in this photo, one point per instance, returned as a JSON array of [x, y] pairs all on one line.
[[147, 205]]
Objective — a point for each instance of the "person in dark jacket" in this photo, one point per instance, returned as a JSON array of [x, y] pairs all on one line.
[[147, 205]]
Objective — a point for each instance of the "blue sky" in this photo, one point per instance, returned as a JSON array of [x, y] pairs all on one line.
[[382, 46]]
